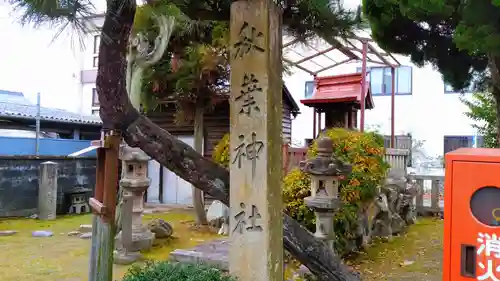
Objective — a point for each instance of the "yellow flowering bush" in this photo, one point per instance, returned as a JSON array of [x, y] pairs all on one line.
[[364, 151], [221, 151]]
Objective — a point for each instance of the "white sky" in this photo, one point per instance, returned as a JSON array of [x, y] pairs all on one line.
[[32, 61]]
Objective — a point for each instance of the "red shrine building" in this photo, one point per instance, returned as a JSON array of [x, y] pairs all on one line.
[[339, 98]]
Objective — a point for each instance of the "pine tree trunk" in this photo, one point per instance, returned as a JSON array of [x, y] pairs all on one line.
[[198, 202], [117, 113]]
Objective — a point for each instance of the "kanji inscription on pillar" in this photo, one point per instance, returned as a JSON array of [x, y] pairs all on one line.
[[256, 227], [249, 88]]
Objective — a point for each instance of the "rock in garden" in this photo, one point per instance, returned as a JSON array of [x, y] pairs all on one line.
[[42, 233], [86, 235], [216, 214], [74, 233], [7, 232], [406, 263], [160, 228], [85, 228]]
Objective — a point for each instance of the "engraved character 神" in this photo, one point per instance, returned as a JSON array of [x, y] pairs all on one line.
[[247, 41], [250, 151], [250, 85]]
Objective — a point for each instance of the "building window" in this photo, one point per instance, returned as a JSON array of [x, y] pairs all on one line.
[[95, 97], [97, 43], [455, 142], [95, 112], [95, 61], [309, 89], [448, 89], [381, 80]]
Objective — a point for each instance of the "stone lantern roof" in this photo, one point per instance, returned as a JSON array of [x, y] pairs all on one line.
[[325, 164]]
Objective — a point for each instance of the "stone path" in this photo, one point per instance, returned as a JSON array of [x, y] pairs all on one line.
[[214, 253]]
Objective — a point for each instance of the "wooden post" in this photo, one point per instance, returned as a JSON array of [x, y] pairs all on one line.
[[435, 196], [103, 206], [419, 200], [256, 226]]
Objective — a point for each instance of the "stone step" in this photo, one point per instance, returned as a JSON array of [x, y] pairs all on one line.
[[214, 253]]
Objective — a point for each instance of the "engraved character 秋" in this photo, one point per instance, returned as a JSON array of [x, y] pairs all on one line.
[[247, 41]]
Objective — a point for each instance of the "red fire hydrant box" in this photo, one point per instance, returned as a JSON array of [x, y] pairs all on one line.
[[472, 215]]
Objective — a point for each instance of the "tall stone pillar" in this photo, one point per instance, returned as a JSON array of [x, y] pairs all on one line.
[[134, 183], [256, 227], [47, 191]]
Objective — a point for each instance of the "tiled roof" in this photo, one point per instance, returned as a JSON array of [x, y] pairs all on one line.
[[15, 105]]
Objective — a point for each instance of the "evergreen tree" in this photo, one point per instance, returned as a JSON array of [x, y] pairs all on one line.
[[482, 111]]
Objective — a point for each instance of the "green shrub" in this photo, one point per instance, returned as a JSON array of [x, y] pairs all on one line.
[[168, 271]]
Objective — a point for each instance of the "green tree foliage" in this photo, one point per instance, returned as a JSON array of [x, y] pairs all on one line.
[[193, 69], [482, 111], [168, 271], [445, 33]]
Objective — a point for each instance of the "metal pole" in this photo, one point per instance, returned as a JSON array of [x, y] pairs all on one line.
[[37, 118], [314, 123], [314, 109], [319, 121], [363, 85], [393, 104]]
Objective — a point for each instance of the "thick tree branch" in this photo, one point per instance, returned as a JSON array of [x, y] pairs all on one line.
[[213, 179], [118, 113]]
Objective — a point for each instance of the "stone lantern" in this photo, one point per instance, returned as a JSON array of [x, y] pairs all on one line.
[[134, 183], [325, 172]]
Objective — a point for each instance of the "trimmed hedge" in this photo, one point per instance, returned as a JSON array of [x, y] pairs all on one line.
[[169, 271]]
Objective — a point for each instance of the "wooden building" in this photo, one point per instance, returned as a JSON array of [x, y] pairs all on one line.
[[168, 188], [216, 122]]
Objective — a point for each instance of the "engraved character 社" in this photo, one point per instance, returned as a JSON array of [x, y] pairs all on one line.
[[248, 38], [249, 86], [249, 151], [250, 223]]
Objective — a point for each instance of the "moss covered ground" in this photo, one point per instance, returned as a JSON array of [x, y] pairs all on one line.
[[65, 258], [413, 256]]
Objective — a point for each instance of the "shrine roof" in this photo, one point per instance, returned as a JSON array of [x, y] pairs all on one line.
[[321, 54], [344, 88]]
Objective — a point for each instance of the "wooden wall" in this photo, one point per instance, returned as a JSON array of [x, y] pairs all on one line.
[[216, 124]]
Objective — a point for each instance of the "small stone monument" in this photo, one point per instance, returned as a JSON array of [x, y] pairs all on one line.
[[325, 171], [79, 198], [134, 183], [47, 191]]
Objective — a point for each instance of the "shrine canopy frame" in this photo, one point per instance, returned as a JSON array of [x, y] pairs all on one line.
[[339, 51]]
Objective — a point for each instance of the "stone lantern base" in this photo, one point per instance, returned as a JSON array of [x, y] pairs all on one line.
[[140, 240]]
